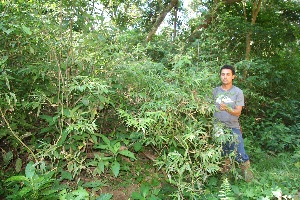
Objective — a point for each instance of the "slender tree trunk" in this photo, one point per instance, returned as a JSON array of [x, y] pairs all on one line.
[[161, 18], [255, 10], [175, 22]]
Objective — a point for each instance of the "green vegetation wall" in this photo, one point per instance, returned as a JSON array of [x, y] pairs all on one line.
[[74, 85]]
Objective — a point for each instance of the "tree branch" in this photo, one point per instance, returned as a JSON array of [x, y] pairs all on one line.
[[160, 19]]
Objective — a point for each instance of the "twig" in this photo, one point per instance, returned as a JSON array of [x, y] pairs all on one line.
[[15, 135]]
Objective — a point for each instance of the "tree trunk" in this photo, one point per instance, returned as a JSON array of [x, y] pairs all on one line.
[[160, 19], [255, 10], [175, 22], [209, 17]]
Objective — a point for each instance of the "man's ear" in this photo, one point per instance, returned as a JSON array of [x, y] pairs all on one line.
[[233, 77]]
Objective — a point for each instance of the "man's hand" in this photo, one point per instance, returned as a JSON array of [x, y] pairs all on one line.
[[223, 107], [236, 112]]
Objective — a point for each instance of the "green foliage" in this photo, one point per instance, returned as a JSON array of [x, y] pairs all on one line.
[[79, 193], [74, 85], [146, 192], [33, 185], [270, 110], [115, 151], [171, 109], [226, 191]]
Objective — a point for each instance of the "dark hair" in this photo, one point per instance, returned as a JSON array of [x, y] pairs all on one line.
[[228, 67]]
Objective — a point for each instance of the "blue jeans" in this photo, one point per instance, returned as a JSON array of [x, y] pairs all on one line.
[[229, 147]]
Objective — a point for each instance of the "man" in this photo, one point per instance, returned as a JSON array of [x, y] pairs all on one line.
[[229, 101]]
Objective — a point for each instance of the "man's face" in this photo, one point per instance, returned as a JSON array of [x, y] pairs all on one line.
[[226, 76]]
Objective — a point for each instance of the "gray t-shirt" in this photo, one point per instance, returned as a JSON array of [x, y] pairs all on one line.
[[232, 98]]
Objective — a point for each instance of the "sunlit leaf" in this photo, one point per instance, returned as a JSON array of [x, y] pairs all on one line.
[[115, 167], [26, 30], [127, 154], [30, 170]]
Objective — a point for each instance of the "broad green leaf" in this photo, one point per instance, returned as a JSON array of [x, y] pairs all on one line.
[[152, 197], [145, 189], [101, 166], [63, 138], [75, 110], [17, 178], [105, 139], [67, 112], [26, 30], [137, 146], [116, 147], [31, 50], [66, 175], [18, 165], [93, 184], [30, 170], [48, 118], [24, 191], [115, 167], [80, 193], [7, 157], [136, 135], [63, 194], [48, 192], [106, 196], [136, 195], [127, 154], [85, 101], [100, 146]]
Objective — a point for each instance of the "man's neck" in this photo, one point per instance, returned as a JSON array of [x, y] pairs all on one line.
[[226, 87]]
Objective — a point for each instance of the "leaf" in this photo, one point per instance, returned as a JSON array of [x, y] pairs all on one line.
[[24, 191], [18, 165], [67, 112], [63, 194], [31, 50], [26, 30], [8, 31], [81, 193], [30, 170], [127, 154], [17, 178], [136, 195], [93, 184], [94, 138], [8, 157], [145, 189], [152, 197], [116, 147], [85, 101], [64, 135], [106, 196], [100, 146], [3, 60], [66, 175], [105, 139], [51, 120], [101, 166], [115, 167], [137, 146], [48, 192]]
